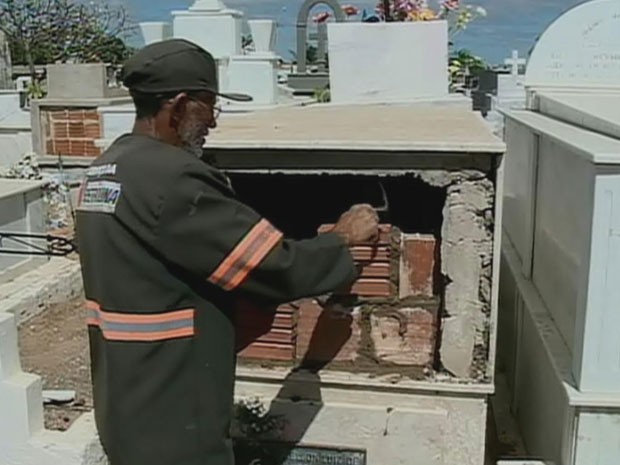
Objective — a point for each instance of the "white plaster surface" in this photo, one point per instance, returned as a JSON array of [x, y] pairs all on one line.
[[363, 69], [155, 31], [255, 75], [405, 428], [216, 30], [21, 211]]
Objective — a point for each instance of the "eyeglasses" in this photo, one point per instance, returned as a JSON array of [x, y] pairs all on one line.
[[215, 109]]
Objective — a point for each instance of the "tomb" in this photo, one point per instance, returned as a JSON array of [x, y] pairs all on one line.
[[21, 211], [558, 292], [401, 365]]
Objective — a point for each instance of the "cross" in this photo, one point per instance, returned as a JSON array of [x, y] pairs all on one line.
[[515, 62]]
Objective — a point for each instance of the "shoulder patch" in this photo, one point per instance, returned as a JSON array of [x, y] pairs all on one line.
[[99, 196], [101, 170]]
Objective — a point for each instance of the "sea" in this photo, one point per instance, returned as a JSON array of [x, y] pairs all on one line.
[[509, 24]]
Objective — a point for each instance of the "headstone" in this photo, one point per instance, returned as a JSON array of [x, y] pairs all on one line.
[[213, 26], [6, 78], [257, 72], [561, 254], [155, 31], [363, 69], [579, 50], [515, 63]]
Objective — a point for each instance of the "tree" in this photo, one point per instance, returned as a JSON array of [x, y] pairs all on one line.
[[51, 31]]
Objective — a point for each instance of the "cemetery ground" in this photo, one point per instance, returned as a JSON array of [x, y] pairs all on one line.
[[54, 345]]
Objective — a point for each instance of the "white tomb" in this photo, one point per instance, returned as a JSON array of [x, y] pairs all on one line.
[[211, 25], [257, 72], [15, 128], [561, 256], [155, 31], [377, 63], [21, 211]]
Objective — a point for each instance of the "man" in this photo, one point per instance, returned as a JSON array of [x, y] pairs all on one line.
[[167, 251]]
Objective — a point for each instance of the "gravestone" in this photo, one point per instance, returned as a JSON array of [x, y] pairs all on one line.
[[580, 50], [213, 26], [561, 254]]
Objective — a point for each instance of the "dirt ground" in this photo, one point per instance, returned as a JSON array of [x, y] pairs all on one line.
[[54, 345]]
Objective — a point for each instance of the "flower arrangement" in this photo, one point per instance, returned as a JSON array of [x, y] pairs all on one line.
[[455, 12]]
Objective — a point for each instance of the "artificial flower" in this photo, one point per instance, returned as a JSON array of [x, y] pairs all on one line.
[[321, 17], [350, 10]]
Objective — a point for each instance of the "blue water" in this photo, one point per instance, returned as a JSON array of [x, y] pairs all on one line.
[[510, 24]]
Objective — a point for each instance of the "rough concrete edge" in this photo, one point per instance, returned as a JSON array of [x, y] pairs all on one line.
[[79, 445], [467, 243], [54, 282]]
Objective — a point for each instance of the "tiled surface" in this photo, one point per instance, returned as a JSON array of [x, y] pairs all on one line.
[[72, 131]]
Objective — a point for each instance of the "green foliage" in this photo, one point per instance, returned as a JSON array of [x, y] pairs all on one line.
[[50, 31]]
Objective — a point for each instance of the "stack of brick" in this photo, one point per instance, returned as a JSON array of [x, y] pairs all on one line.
[[72, 132], [399, 334], [265, 335], [375, 261]]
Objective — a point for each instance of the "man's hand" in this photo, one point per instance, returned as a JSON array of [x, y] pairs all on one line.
[[359, 225]]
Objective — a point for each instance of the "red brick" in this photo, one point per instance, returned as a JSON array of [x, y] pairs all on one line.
[[60, 130], [62, 147], [367, 287], [419, 266], [397, 339], [76, 115], [326, 335], [92, 130], [376, 270], [385, 232], [58, 115], [368, 253], [78, 148], [281, 336], [91, 115], [76, 130], [263, 351]]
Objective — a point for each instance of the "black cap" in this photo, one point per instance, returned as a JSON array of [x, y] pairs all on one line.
[[174, 65]]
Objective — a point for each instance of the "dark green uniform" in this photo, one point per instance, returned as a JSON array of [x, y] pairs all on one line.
[[166, 250]]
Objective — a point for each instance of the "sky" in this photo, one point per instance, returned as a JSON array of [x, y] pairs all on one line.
[[510, 24]]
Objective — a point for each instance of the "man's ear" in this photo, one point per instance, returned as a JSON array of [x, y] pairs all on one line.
[[178, 106]]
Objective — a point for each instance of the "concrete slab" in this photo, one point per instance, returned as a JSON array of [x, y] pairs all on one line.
[[597, 112], [407, 127]]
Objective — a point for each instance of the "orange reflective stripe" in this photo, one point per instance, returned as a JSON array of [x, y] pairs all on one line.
[[153, 336], [246, 256], [141, 327], [261, 253]]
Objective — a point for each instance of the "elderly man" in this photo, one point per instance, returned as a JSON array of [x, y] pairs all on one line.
[[167, 251]]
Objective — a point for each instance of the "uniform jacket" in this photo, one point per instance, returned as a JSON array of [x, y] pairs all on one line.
[[166, 251]]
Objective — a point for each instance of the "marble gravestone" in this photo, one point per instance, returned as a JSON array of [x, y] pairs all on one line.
[[560, 258], [580, 50]]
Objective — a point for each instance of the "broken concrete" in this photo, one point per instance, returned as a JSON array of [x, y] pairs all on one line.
[[467, 250], [58, 280]]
